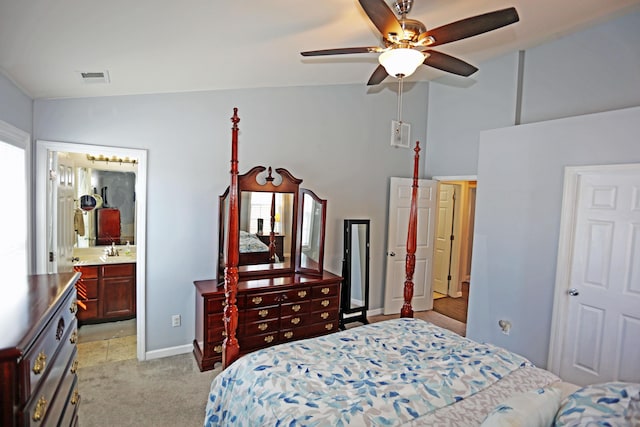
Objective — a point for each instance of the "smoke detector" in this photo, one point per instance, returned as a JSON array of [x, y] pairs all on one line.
[[92, 77]]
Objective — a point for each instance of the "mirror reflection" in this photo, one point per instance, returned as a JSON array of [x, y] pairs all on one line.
[[357, 265], [107, 207], [311, 232], [263, 216]]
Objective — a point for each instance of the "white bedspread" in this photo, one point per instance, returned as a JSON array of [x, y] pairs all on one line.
[[383, 374]]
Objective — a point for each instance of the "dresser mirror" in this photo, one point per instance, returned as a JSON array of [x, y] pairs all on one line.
[[355, 271], [312, 217], [267, 205]]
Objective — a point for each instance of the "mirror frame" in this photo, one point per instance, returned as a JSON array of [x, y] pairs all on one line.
[[347, 273], [317, 269], [249, 182]]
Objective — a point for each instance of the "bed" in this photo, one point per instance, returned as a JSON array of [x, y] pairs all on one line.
[[397, 372], [253, 250]]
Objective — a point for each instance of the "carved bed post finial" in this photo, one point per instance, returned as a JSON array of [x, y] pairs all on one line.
[[230, 347], [407, 310]]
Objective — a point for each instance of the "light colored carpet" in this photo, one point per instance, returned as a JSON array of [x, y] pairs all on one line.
[[163, 392]]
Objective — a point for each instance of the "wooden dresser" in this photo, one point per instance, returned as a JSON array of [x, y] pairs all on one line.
[[38, 355], [272, 310]]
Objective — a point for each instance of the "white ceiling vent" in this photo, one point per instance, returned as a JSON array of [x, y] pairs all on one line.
[[94, 76]]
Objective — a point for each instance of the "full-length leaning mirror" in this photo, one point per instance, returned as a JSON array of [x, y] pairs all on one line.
[[355, 270]]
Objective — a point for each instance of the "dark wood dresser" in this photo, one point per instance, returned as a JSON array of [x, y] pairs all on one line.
[[272, 310], [38, 354]]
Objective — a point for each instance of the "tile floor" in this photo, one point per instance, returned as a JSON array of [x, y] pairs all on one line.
[[106, 342]]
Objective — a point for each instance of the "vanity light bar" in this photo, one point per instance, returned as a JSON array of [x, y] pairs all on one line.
[[112, 159]]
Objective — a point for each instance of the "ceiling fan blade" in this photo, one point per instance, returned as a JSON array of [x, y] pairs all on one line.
[[378, 76], [341, 51], [473, 26], [447, 63], [382, 17]]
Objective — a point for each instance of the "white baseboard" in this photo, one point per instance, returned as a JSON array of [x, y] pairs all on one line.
[[375, 312], [169, 351]]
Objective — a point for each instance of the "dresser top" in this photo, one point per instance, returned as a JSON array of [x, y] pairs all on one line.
[[214, 287], [28, 303]]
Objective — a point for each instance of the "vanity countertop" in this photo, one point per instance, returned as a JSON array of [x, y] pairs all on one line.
[[96, 255]]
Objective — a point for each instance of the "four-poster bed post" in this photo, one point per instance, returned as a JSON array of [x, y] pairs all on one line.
[[407, 310], [230, 347]]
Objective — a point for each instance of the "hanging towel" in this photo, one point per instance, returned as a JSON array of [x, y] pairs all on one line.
[[78, 222]]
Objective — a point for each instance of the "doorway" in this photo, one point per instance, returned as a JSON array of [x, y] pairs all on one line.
[[46, 216], [453, 245]]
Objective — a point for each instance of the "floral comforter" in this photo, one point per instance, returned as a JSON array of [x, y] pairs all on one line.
[[383, 374], [250, 243]]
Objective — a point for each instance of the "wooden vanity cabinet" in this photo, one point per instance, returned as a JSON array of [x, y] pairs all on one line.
[[38, 353], [272, 310], [106, 292]]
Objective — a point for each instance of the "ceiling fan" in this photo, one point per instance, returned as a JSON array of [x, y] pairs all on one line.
[[407, 42]]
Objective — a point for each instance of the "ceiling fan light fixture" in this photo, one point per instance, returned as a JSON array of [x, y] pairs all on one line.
[[401, 62]]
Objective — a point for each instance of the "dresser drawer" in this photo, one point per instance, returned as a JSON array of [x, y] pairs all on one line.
[[118, 270], [295, 321], [259, 341], [70, 413], [87, 310], [263, 313], [215, 305], [321, 328], [287, 335], [324, 304], [297, 294], [261, 327], [214, 349], [323, 315], [263, 299], [43, 404], [56, 336], [325, 291], [295, 308]]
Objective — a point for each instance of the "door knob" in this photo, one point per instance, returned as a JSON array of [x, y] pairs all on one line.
[[573, 292], [391, 253]]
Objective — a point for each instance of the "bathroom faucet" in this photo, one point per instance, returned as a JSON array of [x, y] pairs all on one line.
[[113, 251]]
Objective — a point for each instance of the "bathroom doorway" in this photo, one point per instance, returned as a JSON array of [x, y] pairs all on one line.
[[47, 240]]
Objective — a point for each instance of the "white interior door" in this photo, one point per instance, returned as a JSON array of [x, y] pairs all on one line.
[[399, 206], [60, 229], [599, 336], [443, 235]]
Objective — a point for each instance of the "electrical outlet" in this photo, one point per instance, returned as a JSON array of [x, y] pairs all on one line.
[[175, 320]]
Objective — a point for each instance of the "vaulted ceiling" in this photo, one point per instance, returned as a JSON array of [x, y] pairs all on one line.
[[156, 46]]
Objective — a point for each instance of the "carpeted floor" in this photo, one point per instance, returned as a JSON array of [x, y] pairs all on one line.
[[163, 392]]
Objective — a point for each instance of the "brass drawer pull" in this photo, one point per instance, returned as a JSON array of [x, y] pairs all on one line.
[[74, 306], [40, 363], [217, 349], [328, 326], [224, 303], [325, 302], [263, 326], [302, 294], [296, 308], [295, 320], [41, 408], [74, 337], [268, 338], [224, 333], [76, 397], [324, 315], [263, 313], [325, 291], [256, 300], [288, 334], [74, 367]]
